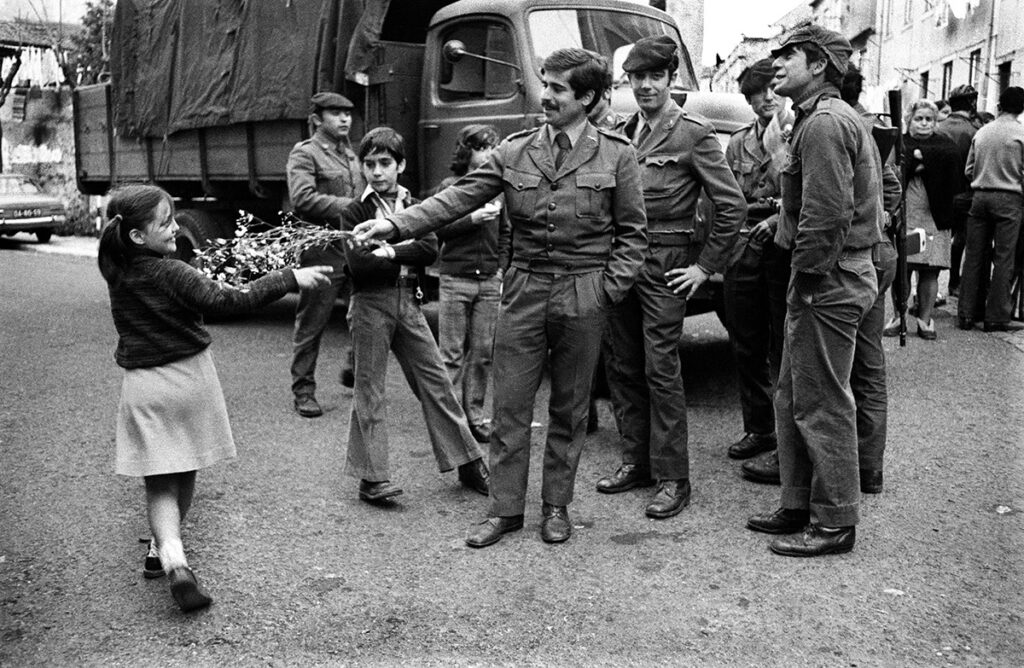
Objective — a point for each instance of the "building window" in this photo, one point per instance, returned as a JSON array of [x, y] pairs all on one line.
[[472, 78], [947, 78], [908, 11], [1004, 75], [924, 84], [974, 67]]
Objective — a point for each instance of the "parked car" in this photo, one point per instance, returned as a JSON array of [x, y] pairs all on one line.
[[25, 208]]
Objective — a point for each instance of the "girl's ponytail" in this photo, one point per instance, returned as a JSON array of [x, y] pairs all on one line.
[[130, 208]]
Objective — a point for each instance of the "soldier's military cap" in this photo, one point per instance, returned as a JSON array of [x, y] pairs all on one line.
[[652, 53], [331, 101], [755, 78], [963, 90], [836, 47]]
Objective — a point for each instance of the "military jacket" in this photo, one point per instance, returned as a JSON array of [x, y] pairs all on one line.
[[586, 215], [757, 173], [831, 194], [323, 178], [680, 157]]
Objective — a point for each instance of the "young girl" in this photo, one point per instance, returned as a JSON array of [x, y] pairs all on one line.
[[171, 419]]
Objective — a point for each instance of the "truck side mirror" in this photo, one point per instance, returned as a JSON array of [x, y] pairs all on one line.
[[453, 50]]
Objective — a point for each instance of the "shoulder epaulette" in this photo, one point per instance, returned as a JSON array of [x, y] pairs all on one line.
[[521, 133], [743, 128], [612, 134]]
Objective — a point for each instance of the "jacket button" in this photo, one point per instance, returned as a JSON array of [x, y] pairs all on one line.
[[551, 247], [551, 228], [520, 185], [554, 186], [551, 206]]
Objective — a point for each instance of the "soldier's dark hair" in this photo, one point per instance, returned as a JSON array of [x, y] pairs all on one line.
[[131, 207], [1011, 100], [853, 86], [471, 138], [815, 53], [382, 139], [588, 71]]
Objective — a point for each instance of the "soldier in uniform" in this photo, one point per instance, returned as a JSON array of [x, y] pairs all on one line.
[[323, 178], [680, 156], [758, 273], [574, 197], [831, 214]]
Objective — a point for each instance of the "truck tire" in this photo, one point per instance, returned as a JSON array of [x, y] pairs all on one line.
[[196, 229], [44, 236]]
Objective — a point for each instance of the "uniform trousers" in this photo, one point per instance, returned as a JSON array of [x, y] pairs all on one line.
[[644, 371], [868, 379], [389, 320], [312, 314], [468, 312], [546, 319], [815, 413], [754, 293], [994, 224]]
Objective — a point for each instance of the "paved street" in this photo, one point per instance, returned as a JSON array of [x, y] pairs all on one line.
[[304, 573]]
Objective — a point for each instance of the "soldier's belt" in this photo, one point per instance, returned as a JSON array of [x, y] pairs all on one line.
[[544, 266], [666, 238]]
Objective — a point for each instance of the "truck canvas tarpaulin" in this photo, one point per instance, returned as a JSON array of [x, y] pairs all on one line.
[[233, 61]]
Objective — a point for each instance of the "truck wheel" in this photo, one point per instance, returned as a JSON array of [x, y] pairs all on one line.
[[195, 230], [44, 236]]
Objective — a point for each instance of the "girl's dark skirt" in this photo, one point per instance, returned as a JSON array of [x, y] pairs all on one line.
[[172, 418]]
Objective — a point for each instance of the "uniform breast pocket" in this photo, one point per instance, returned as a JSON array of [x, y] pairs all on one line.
[[792, 184], [594, 194], [661, 175], [333, 181], [521, 192]]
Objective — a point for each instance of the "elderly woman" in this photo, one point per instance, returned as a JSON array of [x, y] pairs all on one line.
[[931, 171]]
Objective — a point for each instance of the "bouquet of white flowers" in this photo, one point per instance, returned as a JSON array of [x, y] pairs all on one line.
[[251, 254]]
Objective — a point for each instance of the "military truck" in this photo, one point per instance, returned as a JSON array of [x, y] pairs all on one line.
[[207, 99]]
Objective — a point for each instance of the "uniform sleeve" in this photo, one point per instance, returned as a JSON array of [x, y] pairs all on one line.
[[730, 205], [629, 239], [826, 211], [308, 202], [459, 199], [422, 250], [191, 288], [504, 237]]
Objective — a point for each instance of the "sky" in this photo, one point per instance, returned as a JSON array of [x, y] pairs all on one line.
[[725, 21]]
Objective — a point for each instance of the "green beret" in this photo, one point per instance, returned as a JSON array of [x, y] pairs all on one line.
[[836, 47], [652, 53], [331, 101], [756, 78]]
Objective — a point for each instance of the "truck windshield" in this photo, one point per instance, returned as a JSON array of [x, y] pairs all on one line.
[[609, 32]]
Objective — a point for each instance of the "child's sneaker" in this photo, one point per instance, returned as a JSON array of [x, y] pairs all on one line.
[[152, 568]]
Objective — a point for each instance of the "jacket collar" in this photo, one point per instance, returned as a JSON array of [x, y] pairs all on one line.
[[583, 150]]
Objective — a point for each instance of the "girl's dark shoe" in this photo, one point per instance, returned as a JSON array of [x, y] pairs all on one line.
[[377, 491], [152, 568], [186, 590]]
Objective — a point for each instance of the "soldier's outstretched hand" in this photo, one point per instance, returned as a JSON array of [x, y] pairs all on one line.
[[686, 279], [373, 229]]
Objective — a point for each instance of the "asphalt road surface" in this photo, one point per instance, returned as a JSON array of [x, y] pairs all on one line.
[[304, 573]]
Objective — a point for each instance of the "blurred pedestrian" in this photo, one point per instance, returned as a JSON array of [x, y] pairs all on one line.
[[944, 110], [323, 178], [960, 126], [931, 174], [831, 220], [171, 419], [474, 256], [384, 317], [680, 156], [995, 166]]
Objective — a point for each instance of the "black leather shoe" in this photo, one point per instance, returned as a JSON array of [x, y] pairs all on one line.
[[626, 477], [1004, 326], [555, 527], [752, 444], [670, 499], [481, 432], [491, 529], [475, 476], [763, 469], [185, 589], [306, 406], [816, 541], [377, 491], [870, 481], [783, 520]]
